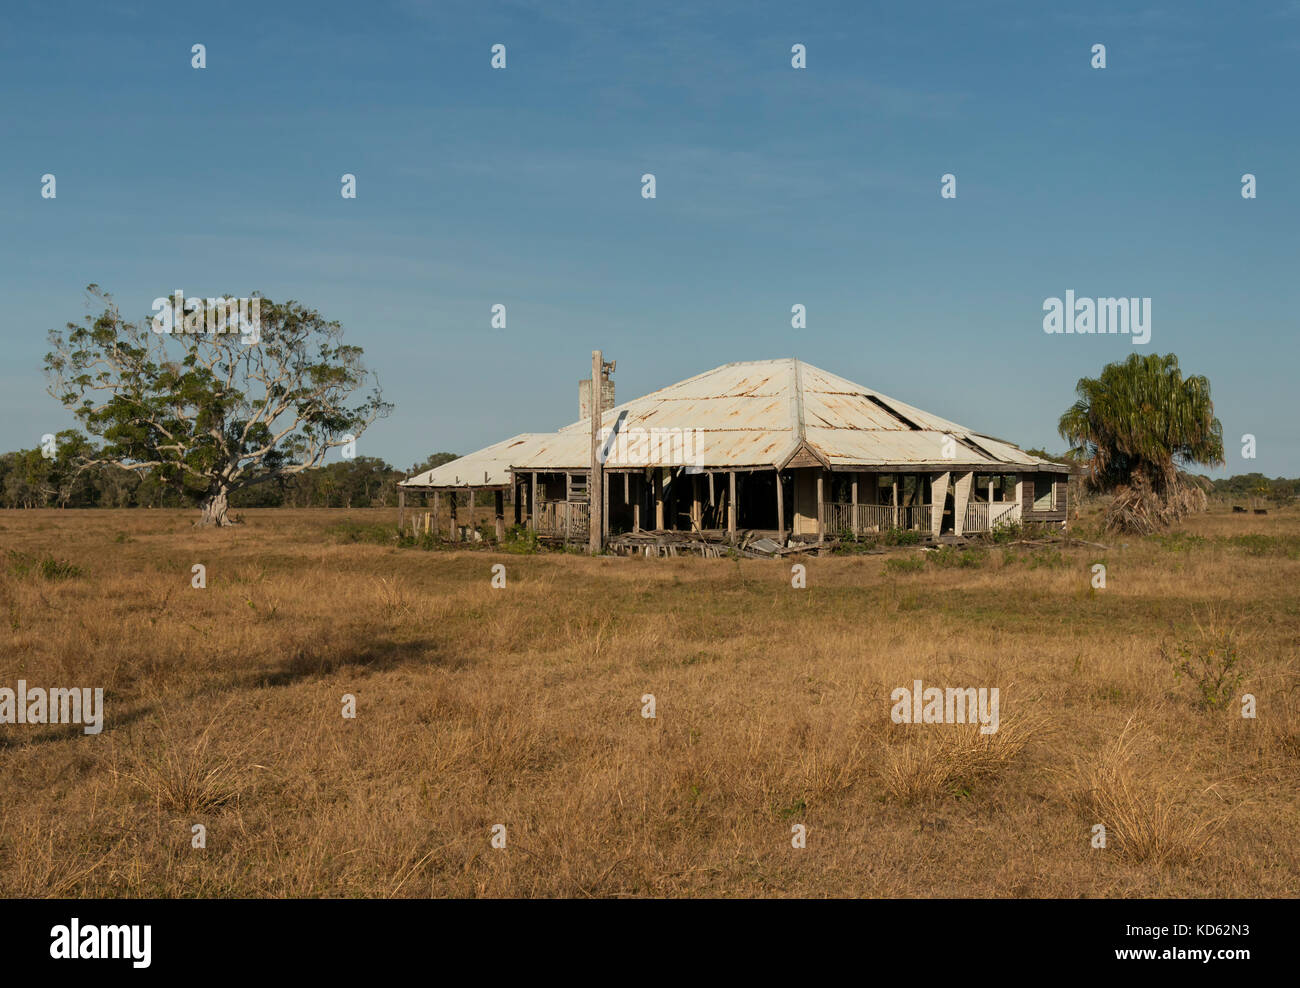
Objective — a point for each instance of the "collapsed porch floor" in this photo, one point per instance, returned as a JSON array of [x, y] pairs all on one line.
[[761, 543]]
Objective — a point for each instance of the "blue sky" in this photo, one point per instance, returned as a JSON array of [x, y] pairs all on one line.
[[775, 186]]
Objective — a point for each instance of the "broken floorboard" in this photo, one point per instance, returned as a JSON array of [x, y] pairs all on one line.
[[760, 544], [753, 544]]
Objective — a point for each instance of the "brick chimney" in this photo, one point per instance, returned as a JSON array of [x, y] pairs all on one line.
[[606, 394]]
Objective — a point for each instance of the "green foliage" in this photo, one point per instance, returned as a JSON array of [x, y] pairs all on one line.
[[905, 564], [900, 536], [795, 808], [1245, 485], [28, 480], [520, 539], [1178, 541], [1212, 663], [211, 413], [1135, 427], [1008, 532], [850, 546], [434, 460], [23, 564], [849, 543], [1042, 454], [950, 557], [1142, 418]]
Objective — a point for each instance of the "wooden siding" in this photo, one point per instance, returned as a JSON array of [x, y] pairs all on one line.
[[803, 457], [1030, 482]]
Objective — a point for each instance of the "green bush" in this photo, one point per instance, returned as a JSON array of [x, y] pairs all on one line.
[[850, 546], [521, 539], [1212, 664], [950, 557], [22, 565], [1178, 541], [905, 564], [1008, 532], [900, 536]]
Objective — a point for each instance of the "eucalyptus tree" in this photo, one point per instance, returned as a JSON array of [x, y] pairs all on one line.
[[209, 405]]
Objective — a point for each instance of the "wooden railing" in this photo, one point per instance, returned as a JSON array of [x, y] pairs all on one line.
[[1003, 513], [981, 516], [569, 520], [836, 518], [864, 518]]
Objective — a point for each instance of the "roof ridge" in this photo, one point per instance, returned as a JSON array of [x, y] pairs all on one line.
[[796, 400]]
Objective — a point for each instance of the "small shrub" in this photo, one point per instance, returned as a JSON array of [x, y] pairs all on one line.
[[851, 546], [22, 565], [796, 808], [905, 564], [900, 536], [1211, 662], [1178, 541], [950, 557], [1007, 532], [58, 569], [520, 539]]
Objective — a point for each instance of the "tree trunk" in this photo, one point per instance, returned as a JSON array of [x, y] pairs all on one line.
[[214, 512]]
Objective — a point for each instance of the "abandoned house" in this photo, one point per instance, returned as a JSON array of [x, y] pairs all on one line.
[[776, 448]]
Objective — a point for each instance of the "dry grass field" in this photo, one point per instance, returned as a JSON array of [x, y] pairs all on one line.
[[522, 706]]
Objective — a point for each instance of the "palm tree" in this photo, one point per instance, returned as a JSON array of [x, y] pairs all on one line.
[[1133, 427]]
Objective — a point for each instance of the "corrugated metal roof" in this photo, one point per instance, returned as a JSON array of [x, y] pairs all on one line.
[[758, 414], [489, 467]]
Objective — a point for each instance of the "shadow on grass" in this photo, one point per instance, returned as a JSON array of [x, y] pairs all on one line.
[[314, 659], [11, 738]]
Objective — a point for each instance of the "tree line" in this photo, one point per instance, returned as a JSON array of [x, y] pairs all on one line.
[[1277, 489], [31, 479]]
